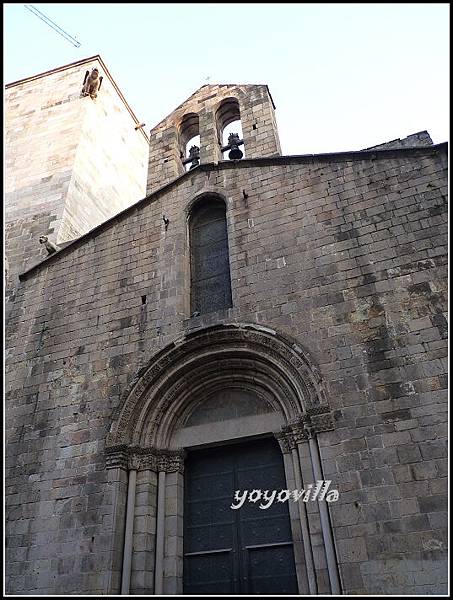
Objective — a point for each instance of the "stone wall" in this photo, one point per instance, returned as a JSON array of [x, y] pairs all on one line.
[[346, 253], [110, 166], [43, 119], [421, 138], [71, 161]]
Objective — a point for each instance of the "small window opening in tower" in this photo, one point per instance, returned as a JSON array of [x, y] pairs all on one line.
[[229, 129], [189, 141]]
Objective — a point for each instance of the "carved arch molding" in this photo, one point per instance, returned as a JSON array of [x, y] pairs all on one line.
[[152, 406]]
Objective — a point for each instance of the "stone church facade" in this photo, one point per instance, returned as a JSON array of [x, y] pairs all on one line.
[[262, 323]]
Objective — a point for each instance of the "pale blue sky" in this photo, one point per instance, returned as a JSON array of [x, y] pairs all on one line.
[[342, 76]]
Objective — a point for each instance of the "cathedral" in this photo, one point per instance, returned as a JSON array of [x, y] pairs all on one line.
[[226, 368]]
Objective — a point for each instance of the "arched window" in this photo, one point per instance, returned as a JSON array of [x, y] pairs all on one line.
[[210, 280], [228, 118], [189, 141]]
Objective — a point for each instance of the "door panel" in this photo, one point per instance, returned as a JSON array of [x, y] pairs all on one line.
[[244, 551], [209, 573], [271, 570]]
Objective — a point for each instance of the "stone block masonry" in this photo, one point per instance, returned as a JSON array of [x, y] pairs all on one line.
[[347, 254], [255, 109], [71, 161]]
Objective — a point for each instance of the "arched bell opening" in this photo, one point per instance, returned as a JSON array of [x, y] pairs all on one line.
[[229, 130], [189, 141]]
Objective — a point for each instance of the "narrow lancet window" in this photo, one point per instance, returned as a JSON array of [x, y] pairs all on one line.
[[209, 257]]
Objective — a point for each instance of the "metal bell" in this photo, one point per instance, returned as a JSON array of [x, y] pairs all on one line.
[[233, 141], [235, 153], [194, 155]]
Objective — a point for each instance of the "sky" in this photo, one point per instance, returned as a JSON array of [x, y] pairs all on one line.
[[342, 76]]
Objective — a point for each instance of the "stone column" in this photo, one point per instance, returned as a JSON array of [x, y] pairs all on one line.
[[315, 420], [164, 158], [173, 550], [209, 142], [116, 464], [128, 535], [304, 526], [325, 521], [160, 533], [259, 126], [144, 538], [288, 446], [169, 463]]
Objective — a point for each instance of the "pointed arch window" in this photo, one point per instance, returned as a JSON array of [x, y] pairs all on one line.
[[210, 279]]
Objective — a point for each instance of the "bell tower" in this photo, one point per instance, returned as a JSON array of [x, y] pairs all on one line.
[[207, 113]]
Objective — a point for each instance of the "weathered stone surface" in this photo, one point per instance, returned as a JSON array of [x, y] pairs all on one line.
[[256, 112], [72, 162], [344, 253]]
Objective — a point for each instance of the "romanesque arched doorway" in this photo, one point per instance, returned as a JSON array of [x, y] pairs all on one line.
[[216, 388]]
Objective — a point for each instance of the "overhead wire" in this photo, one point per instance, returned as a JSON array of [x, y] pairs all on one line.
[[53, 25]]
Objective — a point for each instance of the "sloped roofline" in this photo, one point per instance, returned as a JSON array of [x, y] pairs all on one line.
[[230, 164], [76, 64]]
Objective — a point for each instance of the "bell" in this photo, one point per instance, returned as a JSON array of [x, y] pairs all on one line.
[[235, 153], [194, 154]]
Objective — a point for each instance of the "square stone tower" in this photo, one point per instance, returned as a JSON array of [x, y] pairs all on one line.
[[72, 160]]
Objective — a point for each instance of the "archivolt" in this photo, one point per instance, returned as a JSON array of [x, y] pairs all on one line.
[[211, 359]]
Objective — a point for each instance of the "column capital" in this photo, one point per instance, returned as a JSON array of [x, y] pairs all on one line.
[[140, 459], [171, 461], [286, 439], [117, 457], [305, 426]]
